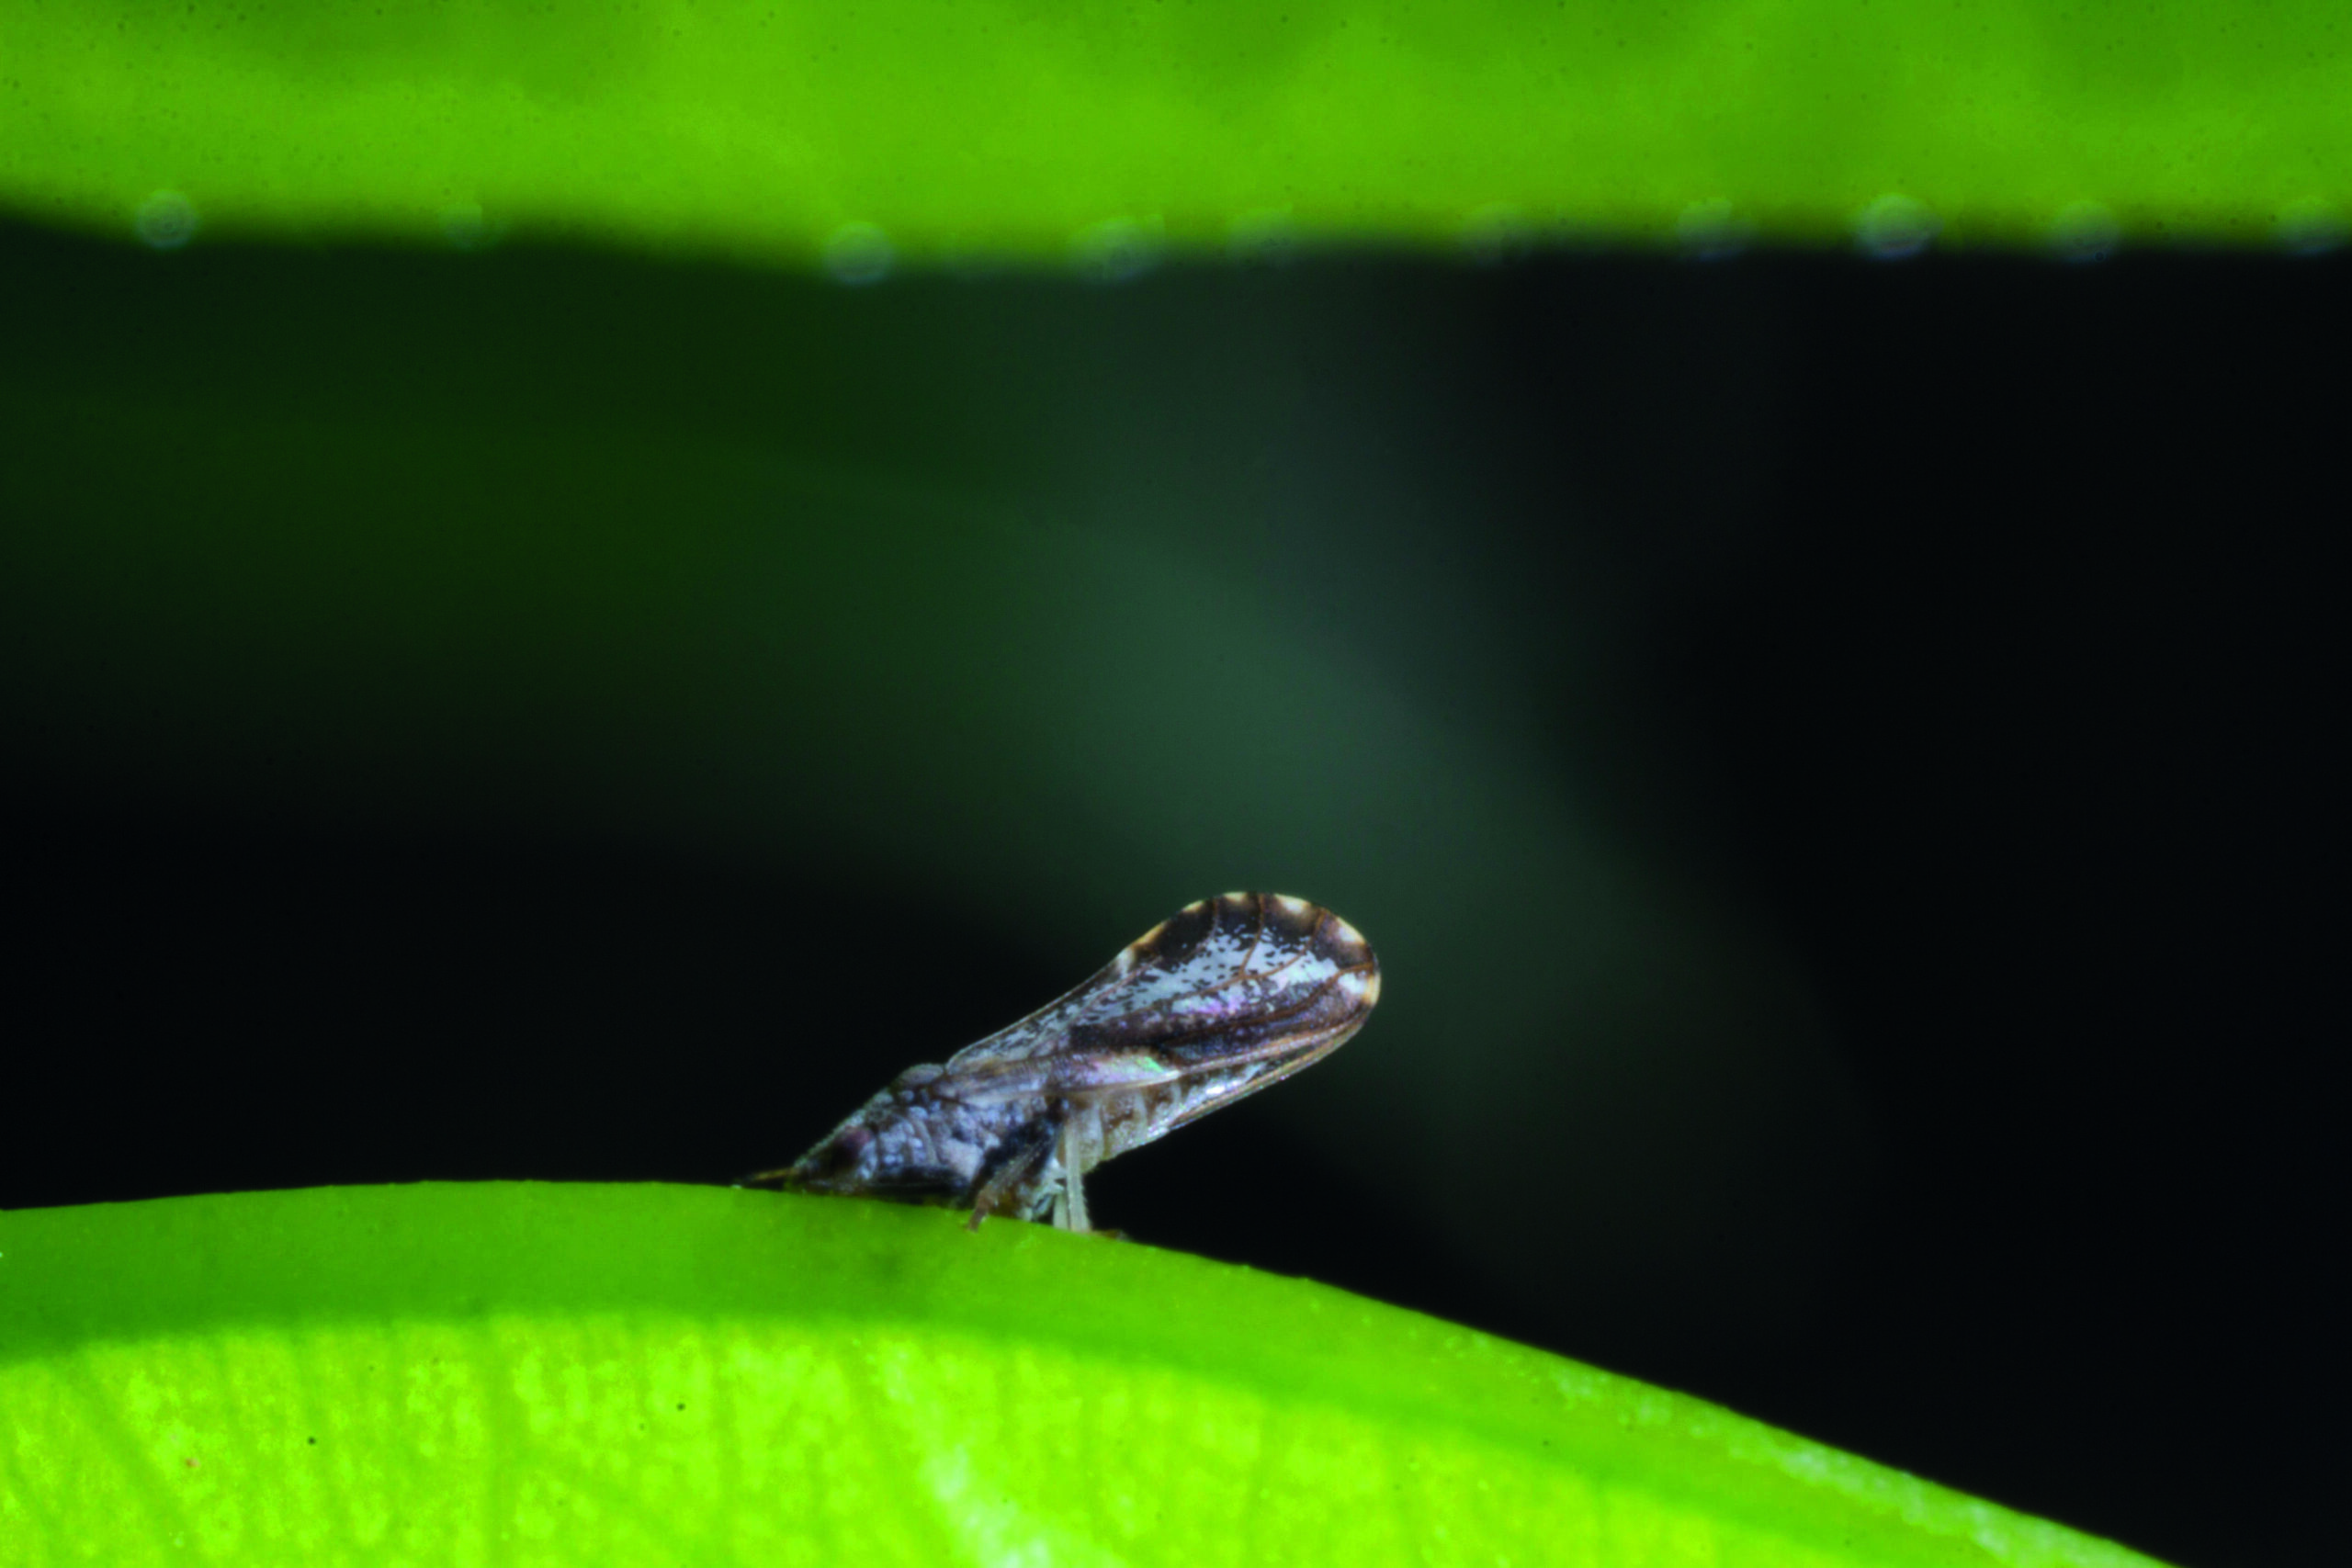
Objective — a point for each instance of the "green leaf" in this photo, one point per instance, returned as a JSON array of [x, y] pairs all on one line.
[[858, 134], [525, 1373]]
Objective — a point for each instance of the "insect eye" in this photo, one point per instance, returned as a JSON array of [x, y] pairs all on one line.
[[848, 1149]]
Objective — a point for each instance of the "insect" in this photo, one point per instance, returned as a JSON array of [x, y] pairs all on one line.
[[1225, 996]]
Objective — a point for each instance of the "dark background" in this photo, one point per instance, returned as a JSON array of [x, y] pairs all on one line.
[[1831, 754]]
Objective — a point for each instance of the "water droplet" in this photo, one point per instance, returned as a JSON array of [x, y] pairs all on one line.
[[1117, 249], [1262, 238], [1895, 227], [2085, 231], [165, 220], [859, 253], [1497, 236], [1711, 230], [2313, 228], [463, 227]]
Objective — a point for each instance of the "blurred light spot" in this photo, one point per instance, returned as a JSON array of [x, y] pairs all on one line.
[[1116, 249], [2313, 228], [2085, 231], [463, 226], [1710, 231], [1895, 227], [859, 253], [165, 220], [1264, 238], [1497, 236]]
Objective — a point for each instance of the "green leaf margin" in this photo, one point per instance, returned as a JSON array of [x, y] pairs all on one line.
[[523, 1372]]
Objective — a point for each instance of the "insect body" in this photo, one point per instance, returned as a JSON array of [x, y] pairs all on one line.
[[1230, 995]]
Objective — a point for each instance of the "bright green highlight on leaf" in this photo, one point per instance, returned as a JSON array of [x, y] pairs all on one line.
[[524, 1373], [861, 135]]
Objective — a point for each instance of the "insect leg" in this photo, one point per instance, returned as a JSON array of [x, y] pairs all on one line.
[[1071, 1213], [1011, 1189], [1080, 1143]]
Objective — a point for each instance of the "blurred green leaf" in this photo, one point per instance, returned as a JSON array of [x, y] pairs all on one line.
[[528, 1373], [861, 135]]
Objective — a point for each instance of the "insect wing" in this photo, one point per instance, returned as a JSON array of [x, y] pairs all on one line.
[[1242, 982]]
